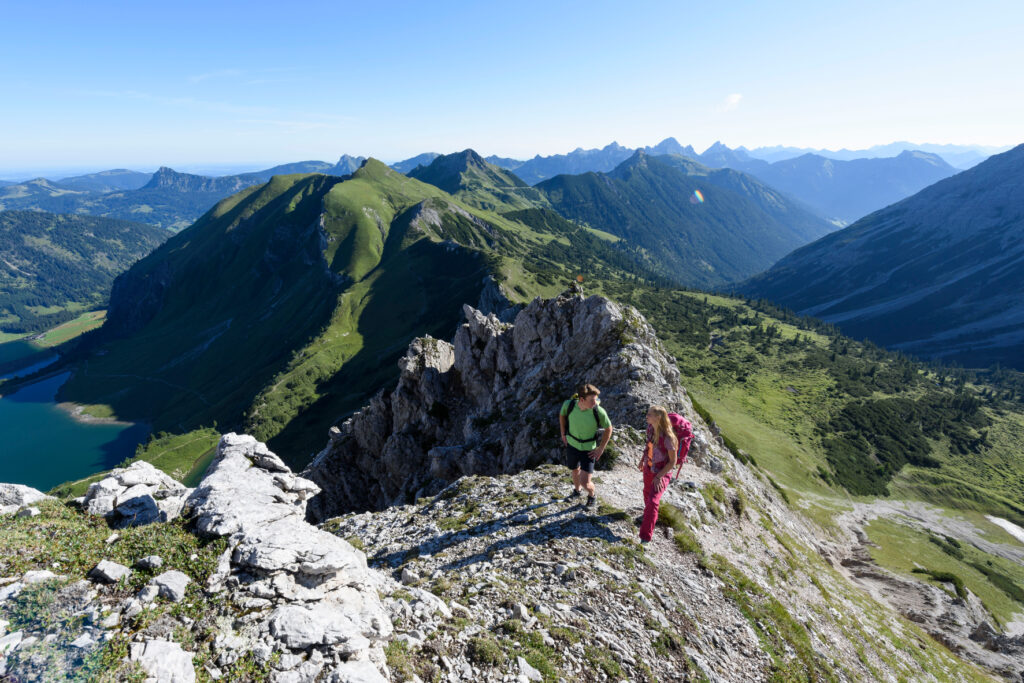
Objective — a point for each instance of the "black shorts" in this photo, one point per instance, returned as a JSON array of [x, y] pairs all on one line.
[[576, 458]]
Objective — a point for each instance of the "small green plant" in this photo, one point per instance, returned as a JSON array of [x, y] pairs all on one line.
[[599, 658], [485, 651], [398, 658], [687, 542], [945, 577]]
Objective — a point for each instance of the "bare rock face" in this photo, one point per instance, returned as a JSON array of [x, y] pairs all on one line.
[[13, 497], [136, 495], [305, 589], [488, 402]]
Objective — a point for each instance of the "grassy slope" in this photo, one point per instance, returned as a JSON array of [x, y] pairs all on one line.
[[772, 405]]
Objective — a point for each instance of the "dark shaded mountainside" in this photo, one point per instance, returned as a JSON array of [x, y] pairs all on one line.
[[937, 275], [285, 306], [52, 267], [737, 227]]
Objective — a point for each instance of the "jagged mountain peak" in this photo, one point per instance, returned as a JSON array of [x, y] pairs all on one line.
[[166, 176]]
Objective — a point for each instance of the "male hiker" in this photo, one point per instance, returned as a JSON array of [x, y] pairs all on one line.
[[580, 419]]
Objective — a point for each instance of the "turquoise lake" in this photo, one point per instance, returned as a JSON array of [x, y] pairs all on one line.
[[42, 446]]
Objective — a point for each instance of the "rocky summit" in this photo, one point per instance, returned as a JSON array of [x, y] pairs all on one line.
[[487, 403]]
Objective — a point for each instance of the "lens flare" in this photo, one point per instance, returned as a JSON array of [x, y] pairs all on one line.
[[697, 197]]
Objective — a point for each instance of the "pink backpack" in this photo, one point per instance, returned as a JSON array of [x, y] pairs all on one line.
[[684, 435]]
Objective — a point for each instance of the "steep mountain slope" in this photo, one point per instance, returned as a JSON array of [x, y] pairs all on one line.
[[52, 267], [737, 227], [460, 409], [937, 274], [345, 166]]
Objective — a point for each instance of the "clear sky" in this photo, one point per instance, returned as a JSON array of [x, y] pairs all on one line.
[[139, 84]]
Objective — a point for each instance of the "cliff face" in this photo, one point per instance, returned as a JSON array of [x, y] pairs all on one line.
[[488, 402]]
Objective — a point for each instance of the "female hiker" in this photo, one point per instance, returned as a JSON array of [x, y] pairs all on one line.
[[580, 419], [657, 462]]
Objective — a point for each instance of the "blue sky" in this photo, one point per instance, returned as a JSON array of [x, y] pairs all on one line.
[[106, 84]]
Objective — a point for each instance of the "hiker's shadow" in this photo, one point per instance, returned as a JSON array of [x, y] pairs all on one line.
[[571, 521]]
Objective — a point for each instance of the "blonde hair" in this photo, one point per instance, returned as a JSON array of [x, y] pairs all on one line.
[[663, 428]]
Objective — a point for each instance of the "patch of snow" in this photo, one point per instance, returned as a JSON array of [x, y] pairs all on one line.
[[1010, 527]]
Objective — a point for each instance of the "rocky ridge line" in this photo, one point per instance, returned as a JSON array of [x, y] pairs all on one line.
[[487, 403]]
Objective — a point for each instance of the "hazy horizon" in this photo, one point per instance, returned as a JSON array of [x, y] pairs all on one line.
[[214, 168]]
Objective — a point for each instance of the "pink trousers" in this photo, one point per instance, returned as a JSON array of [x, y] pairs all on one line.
[[651, 500]]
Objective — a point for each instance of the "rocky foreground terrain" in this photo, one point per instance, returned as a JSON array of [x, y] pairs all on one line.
[[469, 576]]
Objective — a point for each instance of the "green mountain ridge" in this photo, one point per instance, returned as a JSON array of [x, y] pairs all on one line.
[[285, 306]]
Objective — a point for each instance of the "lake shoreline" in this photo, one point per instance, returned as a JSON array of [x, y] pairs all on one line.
[[76, 412]]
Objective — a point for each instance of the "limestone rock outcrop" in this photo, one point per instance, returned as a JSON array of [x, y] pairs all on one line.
[[135, 495], [14, 497], [488, 402], [306, 590]]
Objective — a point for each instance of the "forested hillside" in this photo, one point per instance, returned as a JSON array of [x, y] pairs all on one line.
[[53, 267]]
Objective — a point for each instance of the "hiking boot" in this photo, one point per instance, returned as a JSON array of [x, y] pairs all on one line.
[[575, 494], [590, 501]]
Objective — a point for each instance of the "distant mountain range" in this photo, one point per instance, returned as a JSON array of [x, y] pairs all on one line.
[[704, 227], [938, 274], [959, 156], [106, 181], [581, 160], [836, 191], [842, 191], [166, 199], [848, 190], [53, 267]]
